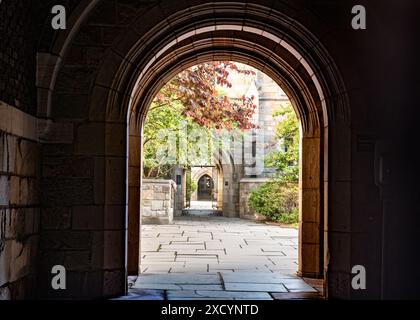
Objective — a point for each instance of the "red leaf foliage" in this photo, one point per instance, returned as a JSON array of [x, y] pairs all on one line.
[[196, 89]]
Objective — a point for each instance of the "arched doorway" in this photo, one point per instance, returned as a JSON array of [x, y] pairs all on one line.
[[304, 90], [205, 188], [165, 41]]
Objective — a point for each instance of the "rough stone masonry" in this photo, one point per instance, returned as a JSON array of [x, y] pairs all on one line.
[[65, 101]]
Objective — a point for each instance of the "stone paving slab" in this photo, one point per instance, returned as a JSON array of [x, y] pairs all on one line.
[[253, 277], [155, 269], [255, 287], [182, 287], [190, 269], [196, 278], [295, 286], [163, 263], [238, 266], [278, 270], [147, 295], [173, 295], [297, 296], [204, 299], [237, 269]]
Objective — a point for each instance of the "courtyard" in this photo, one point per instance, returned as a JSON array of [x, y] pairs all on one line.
[[212, 257]]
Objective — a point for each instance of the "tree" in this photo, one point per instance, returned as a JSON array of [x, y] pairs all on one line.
[[196, 90], [286, 161], [191, 103], [160, 119], [278, 199]]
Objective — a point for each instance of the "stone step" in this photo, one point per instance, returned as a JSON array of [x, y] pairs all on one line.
[[202, 213]]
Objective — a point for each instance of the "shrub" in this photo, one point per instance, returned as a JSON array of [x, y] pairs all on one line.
[[277, 200]]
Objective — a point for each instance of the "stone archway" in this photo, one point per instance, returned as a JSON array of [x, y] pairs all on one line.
[[166, 39], [196, 176], [205, 188]]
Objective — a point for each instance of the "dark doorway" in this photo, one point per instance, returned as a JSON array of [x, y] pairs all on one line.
[[205, 188]]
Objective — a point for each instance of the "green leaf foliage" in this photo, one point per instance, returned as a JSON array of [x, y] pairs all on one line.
[[277, 200], [286, 161]]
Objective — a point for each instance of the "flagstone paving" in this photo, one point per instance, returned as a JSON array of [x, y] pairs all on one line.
[[212, 244], [199, 258]]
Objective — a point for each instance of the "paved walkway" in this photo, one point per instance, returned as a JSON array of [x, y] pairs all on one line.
[[213, 244], [218, 258]]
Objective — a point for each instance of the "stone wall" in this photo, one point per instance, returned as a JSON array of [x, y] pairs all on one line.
[[246, 186], [19, 206], [17, 55], [158, 201], [19, 150]]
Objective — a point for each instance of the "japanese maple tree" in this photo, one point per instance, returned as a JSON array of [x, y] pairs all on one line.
[[196, 89]]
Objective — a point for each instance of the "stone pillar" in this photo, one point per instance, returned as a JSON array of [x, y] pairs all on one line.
[[179, 178], [134, 221], [220, 187], [310, 229]]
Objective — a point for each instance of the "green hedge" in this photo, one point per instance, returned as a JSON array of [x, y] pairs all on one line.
[[277, 200]]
